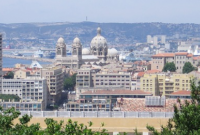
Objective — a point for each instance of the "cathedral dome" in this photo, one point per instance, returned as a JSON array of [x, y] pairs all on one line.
[[61, 40], [98, 41], [112, 52], [85, 51], [77, 40]]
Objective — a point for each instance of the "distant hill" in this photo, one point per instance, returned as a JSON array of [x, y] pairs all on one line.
[[115, 33]]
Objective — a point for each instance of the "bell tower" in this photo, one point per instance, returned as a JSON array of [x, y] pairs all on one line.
[[60, 48], [77, 51]]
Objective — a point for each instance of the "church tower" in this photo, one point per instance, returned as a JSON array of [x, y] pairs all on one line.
[[60, 48], [77, 51]]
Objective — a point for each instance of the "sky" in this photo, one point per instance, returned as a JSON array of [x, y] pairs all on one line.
[[101, 11]]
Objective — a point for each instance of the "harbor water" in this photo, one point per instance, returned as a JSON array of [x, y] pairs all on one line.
[[10, 62]]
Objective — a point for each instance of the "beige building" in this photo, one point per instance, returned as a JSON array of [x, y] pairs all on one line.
[[54, 76], [165, 83], [95, 79], [179, 59], [21, 74]]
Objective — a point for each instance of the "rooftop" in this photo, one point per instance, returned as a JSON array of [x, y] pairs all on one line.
[[181, 93], [164, 55], [116, 92]]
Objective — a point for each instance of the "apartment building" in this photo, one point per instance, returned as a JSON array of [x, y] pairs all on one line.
[[84, 78], [119, 80], [54, 77], [179, 59], [88, 78], [165, 83], [31, 89]]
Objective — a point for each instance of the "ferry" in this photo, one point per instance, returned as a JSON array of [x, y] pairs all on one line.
[[17, 54], [38, 54]]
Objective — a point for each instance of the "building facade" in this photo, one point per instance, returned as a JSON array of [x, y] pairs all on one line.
[[165, 83], [54, 77], [74, 61], [30, 90], [179, 59]]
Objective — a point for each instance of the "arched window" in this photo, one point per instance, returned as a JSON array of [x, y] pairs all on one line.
[[58, 51]]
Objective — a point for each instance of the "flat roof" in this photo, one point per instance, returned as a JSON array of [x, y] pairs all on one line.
[[116, 92]]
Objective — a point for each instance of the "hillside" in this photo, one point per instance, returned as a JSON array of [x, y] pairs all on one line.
[[115, 33]]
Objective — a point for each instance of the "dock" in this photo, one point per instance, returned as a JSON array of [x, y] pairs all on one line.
[[29, 58]]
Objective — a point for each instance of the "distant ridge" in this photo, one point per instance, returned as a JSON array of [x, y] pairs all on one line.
[[115, 33]]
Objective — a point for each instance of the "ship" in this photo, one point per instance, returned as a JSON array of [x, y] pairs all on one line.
[[38, 54], [49, 55], [17, 54], [69, 53]]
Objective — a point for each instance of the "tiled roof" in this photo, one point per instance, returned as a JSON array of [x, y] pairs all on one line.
[[190, 55], [138, 105], [116, 92], [181, 93], [196, 58], [7, 69], [141, 74], [153, 71], [164, 55]]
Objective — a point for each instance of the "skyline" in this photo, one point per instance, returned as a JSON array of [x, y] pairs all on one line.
[[115, 11]]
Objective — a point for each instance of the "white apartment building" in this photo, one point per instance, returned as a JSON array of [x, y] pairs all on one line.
[[31, 89], [155, 40], [163, 39]]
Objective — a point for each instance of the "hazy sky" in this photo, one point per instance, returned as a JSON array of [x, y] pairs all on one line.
[[123, 11]]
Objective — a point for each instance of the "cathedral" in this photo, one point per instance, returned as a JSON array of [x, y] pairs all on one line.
[[98, 52]]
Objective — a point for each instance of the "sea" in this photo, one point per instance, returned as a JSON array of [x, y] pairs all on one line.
[[10, 62]]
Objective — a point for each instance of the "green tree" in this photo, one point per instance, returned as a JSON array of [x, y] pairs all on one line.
[[186, 119], [9, 75], [169, 66], [187, 68], [53, 127], [6, 97], [70, 82]]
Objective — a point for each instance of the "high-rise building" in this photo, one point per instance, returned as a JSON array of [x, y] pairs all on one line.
[[54, 76], [149, 39], [155, 40], [163, 39], [1, 40]]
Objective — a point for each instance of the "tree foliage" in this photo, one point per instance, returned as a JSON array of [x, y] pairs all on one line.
[[6, 97], [9, 75], [169, 66], [186, 120], [70, 82], [53, 127], [187, 68]]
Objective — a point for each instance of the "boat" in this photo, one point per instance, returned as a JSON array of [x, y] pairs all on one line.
[[69, 53], [17, 54], [49, 55], [38, 54]]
